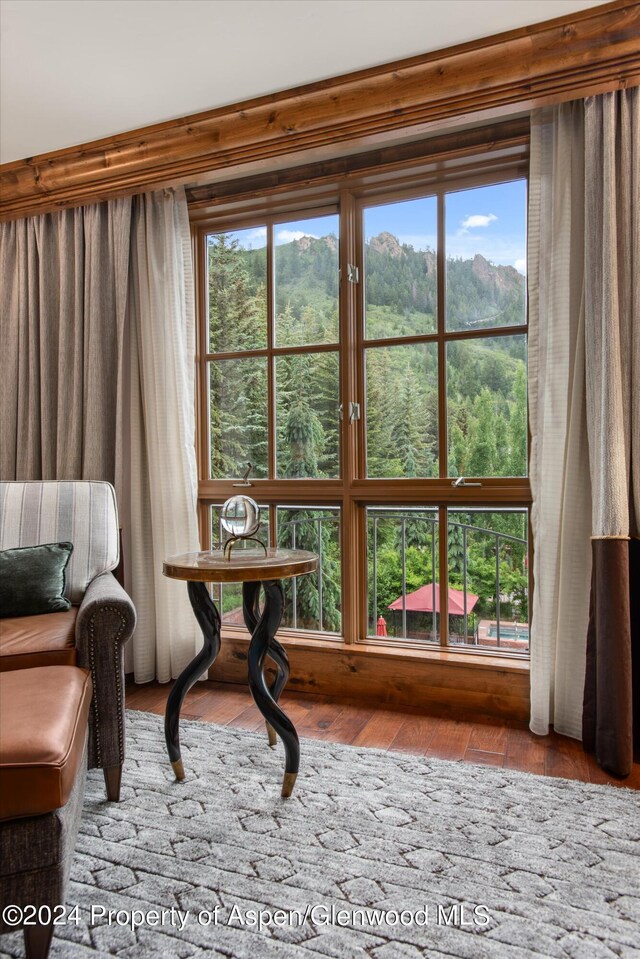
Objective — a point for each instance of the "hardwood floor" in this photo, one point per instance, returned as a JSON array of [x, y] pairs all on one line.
[[318, 717]]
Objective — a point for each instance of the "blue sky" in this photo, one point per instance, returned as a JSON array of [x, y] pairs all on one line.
[[286, 232], [489, 220]]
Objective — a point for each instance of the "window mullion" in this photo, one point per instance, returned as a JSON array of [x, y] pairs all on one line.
[[353, 571], [442, 421], [271, 407]]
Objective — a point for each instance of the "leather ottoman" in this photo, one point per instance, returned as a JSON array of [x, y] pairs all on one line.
[[43, 758]]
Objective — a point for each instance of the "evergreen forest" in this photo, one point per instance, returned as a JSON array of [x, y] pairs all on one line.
[[486, 407]]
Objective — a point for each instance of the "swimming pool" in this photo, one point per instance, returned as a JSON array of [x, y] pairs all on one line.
[[509, 632]]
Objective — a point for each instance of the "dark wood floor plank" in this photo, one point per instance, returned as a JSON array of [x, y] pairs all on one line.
[[250, 718], [348, 723], [223, 707], [450, 739], [415, 735], [526, 752], [489, 738], [566, 758], [381, 729], [148, 697], [319, 717], [483, 758]]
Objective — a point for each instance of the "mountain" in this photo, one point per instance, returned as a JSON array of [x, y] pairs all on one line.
[[403, 280]]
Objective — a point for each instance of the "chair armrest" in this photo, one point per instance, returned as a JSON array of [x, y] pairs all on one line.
[[106, 619]]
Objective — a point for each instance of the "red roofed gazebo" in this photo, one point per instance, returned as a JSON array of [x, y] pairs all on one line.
[[421, 600]]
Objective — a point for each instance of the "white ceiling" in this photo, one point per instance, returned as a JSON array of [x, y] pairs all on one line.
[[78, 70]]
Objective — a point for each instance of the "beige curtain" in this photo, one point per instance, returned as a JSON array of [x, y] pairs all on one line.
[[64, 291], [559, 464], [96, 382], [584, 398]]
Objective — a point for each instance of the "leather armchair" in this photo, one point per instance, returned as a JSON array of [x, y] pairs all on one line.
[[92, 634]]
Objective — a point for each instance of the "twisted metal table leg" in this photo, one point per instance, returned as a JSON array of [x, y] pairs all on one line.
[[275, 652], [209, 621], [263, 643]]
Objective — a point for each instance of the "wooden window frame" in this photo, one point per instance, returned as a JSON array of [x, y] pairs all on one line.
[[353, 492]]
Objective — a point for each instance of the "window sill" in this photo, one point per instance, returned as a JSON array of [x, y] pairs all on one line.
[[318, 642]]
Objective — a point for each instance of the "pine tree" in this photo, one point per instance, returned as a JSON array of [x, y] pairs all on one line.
[[303, 433], [518, 424], [483, 441], [237, 320], [409, 428]]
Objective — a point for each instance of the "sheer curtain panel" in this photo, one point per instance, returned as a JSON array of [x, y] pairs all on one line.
[[561, 513], [158, 466]]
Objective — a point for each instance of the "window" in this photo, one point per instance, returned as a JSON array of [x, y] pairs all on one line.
[[369, 359]]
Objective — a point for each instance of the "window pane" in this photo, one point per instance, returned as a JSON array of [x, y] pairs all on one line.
[[403, 590], [486, 256], [487, 406], [489, 579], [238, 417], [400, 268], [306, 281], [402, 410], [307, 415], [228, 596], [313, 602], [237, 290]]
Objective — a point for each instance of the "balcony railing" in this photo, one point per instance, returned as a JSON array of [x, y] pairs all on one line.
[[480, 601], [488, 575], [311, 533]]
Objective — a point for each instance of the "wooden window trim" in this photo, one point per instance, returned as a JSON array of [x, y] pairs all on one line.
[[353, 492]]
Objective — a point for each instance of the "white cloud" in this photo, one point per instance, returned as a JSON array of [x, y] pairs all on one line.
[[251, 239], [476, 220], [286, 236], [521, 265]]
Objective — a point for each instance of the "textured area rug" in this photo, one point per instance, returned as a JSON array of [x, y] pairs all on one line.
[[375, 856]]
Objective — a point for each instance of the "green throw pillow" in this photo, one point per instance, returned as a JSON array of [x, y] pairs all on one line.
[[32, 579]]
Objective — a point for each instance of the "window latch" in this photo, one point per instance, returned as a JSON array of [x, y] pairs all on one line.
[[354, 412], [245, 476], [461, 481], [352, 273]]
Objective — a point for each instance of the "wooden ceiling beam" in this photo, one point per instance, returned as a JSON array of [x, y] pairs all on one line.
[[584, 53]]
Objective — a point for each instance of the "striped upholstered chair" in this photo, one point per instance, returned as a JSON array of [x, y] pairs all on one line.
[[93, 632]]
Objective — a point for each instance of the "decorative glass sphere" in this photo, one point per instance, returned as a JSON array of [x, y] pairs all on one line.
[[240, 516]]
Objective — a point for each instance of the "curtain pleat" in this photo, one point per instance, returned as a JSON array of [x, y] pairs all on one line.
[[96, 382], [63, 316], [559, 465]]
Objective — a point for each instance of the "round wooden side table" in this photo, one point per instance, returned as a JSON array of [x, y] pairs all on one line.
[[253, 569]]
